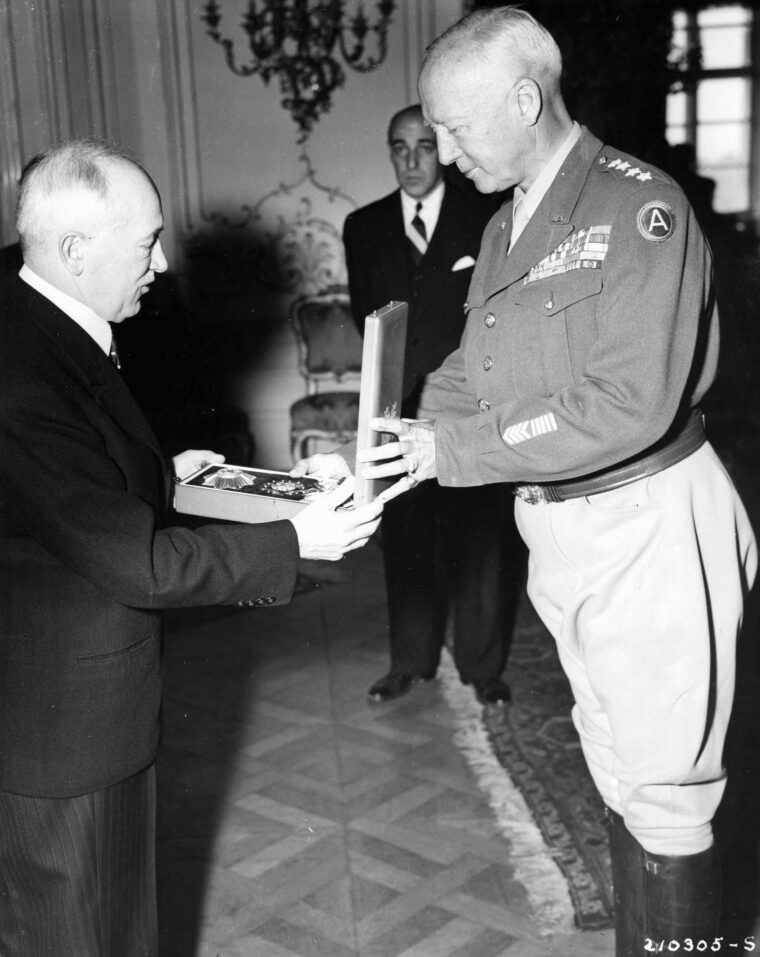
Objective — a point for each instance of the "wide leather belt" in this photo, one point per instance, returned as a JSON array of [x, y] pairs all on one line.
[[691, 437]]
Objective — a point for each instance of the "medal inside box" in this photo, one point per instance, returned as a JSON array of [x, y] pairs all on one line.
[[241, 494]]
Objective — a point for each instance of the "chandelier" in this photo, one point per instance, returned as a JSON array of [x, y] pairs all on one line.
[[298, 41]]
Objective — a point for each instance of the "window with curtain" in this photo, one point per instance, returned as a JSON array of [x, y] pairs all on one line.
[[709, 108]]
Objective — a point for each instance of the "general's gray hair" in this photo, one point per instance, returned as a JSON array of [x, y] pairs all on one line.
[[75, 165], [507, 32]]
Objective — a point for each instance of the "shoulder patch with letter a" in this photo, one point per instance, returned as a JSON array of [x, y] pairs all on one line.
[[656, 221]]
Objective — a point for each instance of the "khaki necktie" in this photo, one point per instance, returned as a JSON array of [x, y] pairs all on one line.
[[519, 222]]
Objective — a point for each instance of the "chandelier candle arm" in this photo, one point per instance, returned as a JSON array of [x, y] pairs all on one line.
[[294, 40]]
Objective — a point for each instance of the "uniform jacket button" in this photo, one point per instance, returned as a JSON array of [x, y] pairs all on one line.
[[490, 320], [484, 405], [487, 363], [549, 304]]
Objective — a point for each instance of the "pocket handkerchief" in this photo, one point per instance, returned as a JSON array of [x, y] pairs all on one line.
[[464, 263]]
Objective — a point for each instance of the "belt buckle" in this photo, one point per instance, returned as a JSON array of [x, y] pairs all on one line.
[[531, 494]]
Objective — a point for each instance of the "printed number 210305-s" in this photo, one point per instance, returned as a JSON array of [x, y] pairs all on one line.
[[718, 945]]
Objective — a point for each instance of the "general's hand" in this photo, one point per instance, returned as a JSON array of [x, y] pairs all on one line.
[[413, 455], [326, 465], [193, 459], [327, 534]]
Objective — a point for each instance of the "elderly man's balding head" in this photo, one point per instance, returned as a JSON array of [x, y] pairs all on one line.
[[89, 218], [69, 186]]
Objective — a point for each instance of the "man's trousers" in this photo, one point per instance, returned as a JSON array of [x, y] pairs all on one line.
[[643, 588], [77, 875]]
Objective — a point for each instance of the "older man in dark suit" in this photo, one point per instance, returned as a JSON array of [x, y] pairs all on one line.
[[441, 546], [86, 564]]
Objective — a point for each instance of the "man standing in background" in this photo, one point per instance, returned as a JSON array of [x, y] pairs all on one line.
[[443, 548]]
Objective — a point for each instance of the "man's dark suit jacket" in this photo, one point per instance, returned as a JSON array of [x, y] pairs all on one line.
[[378, 271], [85, 564]]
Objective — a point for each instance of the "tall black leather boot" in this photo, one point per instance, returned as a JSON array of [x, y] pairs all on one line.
[[682, 898], [627, 858]]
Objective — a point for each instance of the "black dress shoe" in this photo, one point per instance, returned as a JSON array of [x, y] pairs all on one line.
[[491, 691], [393, 685]]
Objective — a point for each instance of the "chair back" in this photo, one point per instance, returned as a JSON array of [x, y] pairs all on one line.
[[329, 344]]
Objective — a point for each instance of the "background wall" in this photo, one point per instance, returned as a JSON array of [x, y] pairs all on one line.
[[253, 217]]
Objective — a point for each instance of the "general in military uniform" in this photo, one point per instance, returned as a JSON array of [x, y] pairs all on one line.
[[591, 339]]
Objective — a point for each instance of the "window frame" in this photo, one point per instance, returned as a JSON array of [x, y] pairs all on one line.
[[687, 77]]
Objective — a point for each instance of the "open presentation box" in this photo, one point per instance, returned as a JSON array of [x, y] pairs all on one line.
[[241, 494]]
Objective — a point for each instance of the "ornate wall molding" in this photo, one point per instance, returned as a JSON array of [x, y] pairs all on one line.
[[296, 225], [299, 220]]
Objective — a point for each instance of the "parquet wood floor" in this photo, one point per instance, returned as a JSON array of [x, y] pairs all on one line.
[[296, 819]]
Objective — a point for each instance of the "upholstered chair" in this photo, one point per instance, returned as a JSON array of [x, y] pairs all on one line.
[[330, 354]]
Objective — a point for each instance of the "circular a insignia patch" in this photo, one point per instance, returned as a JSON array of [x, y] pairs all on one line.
[[656, 221]]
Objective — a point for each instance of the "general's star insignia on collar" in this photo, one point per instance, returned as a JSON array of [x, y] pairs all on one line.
[[656, 221]]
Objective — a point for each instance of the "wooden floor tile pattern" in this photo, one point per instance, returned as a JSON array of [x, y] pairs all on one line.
[[296, 819]]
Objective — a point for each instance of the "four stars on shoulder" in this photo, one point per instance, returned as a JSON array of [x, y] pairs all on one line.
[[624, 166]]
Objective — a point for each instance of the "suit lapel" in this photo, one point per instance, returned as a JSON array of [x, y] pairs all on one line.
[[395, 248], [117, 399], [439, 259], [444, 233], [91, 367], [393, 251]]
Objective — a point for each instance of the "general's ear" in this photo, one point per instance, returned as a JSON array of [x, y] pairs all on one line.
[[529, 101], [71, 251]]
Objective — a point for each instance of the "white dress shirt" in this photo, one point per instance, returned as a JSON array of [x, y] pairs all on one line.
[[429, 213]]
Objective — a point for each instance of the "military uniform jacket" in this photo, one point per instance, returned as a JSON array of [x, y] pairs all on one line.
[[86, 564], [590, 340]]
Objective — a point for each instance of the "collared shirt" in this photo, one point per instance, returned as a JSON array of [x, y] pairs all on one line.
[[526, 202], [429, 213], [95, 327]]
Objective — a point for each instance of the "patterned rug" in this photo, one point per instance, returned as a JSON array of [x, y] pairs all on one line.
[[535, 741]]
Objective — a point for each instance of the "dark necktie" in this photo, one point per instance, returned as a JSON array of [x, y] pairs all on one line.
[[113, 354], [418, 224], [413, 252]]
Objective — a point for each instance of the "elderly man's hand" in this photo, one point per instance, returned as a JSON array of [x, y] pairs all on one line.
[[412, 456], [324, 465], [185, 463], [327, 534]]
